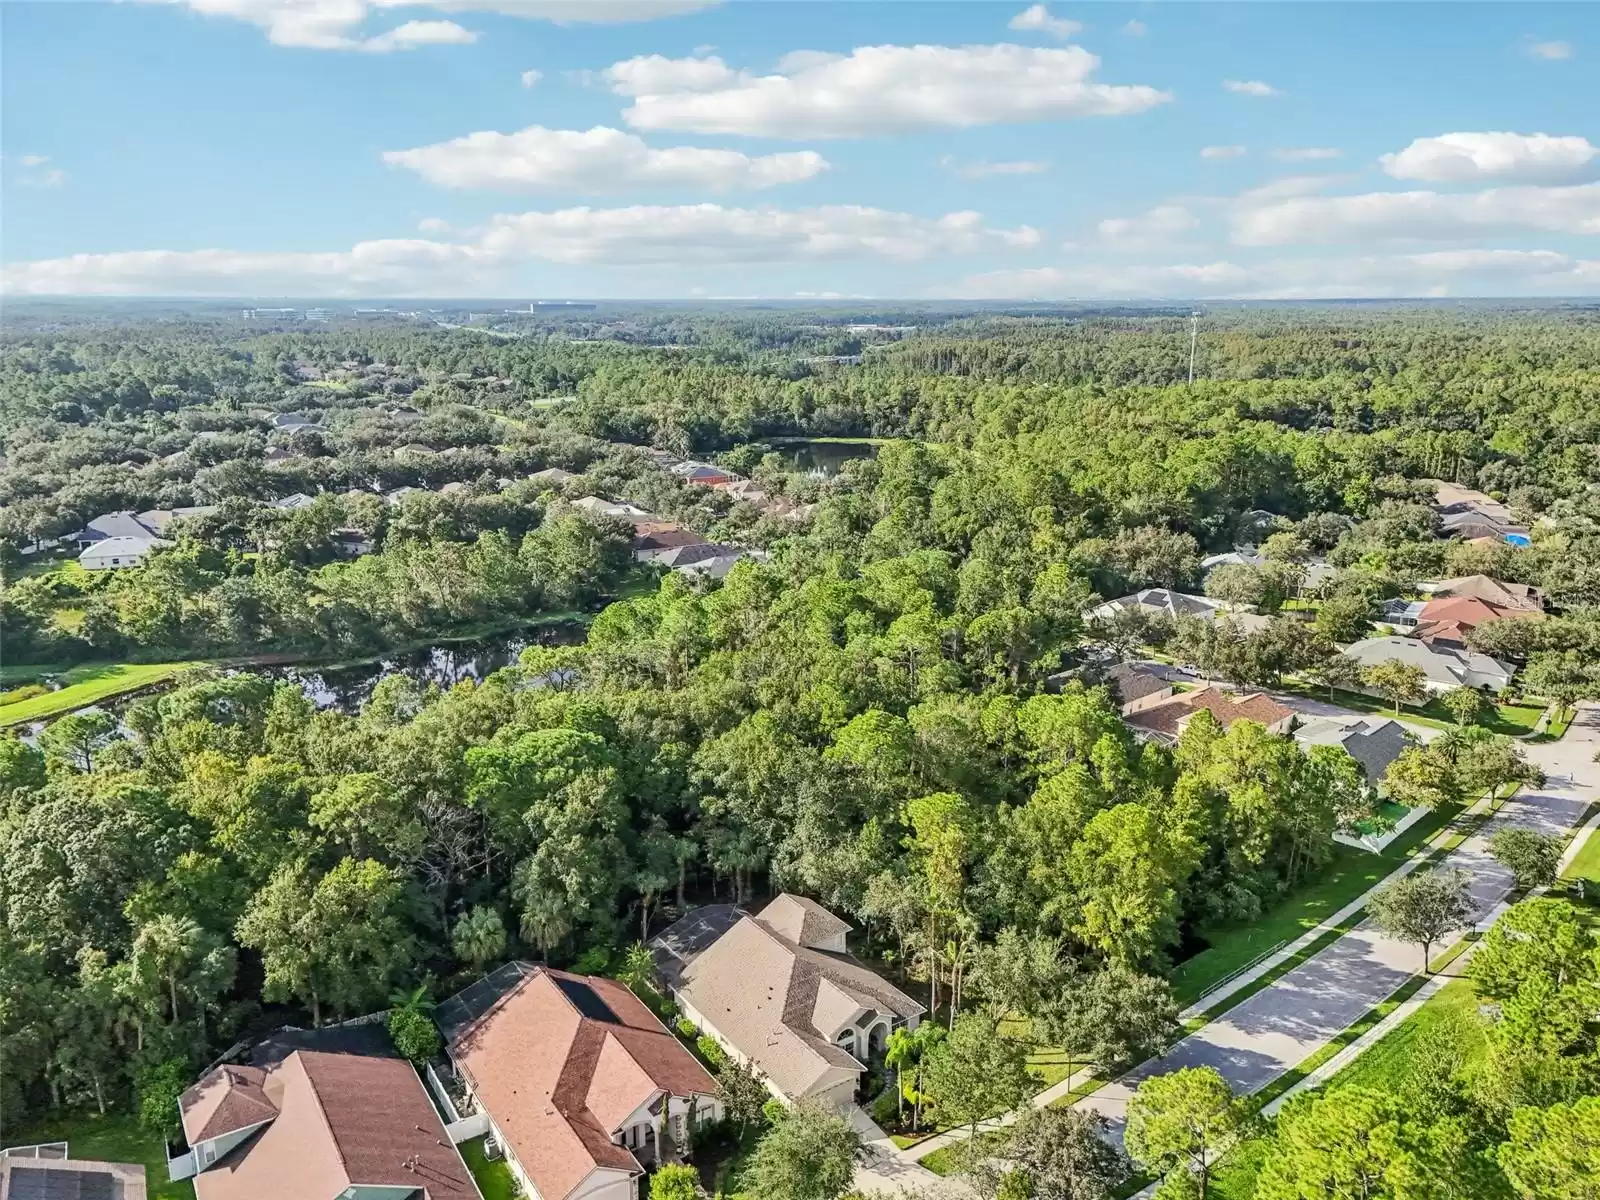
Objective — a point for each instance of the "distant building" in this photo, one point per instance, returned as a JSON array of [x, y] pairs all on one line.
[[1442, 668], [1523, 596], [553, 475], [1161, 602], [1374, 742], [1165, 722], [1137, 688]]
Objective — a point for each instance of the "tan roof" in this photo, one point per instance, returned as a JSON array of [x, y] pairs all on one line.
[[1225, 706], [764, 993], [560, 1061], [1492, 591], [224, 1100], [343, 1120], [802, 920]]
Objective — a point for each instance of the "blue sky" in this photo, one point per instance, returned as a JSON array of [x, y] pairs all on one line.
[[670, 148]]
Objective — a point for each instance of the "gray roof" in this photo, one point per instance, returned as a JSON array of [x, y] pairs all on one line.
[[132, 546], [110, 525], [1374, 742], [1133, 682], [1163, 600], [1451, 668]]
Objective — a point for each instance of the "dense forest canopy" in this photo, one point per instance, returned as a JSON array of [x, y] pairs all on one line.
[[868, 716]]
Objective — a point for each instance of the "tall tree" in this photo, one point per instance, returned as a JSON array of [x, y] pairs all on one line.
[[809, 1154], [1180, 1121], [1424, 907]]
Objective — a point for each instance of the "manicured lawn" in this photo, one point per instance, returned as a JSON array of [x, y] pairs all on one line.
[[115, 1137], [1349, 873], [494, 1178], [1386, 1065], [1587, 863], [89, 684], [1509, 719]]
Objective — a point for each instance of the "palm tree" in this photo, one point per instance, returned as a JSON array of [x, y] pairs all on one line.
[[479, 937], [415, 1000], [902, 1050], [545, 922], [163, 948], [638, 968]]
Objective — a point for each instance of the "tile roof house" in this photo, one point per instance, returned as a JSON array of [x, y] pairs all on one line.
[[552, 475], [1519, 596], [703, 473], [1442, 667], [318, 1126], [48, 1172], [656, 538], [583, 1086], [119, 553], [1374, 742], [1165, 722], [1137, 688], [779, 990]]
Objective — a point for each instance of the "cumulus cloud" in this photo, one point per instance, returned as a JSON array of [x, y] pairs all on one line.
[[1434, 216], [1553, 51], [984, 170], [597, 160], [531, 77], [1223, 152], [1250, 87], [641, 235], [1306, 153], [1157, 227], [1493, 158], [1438, 273], [873, 90], [336, 24], [1037, 19]]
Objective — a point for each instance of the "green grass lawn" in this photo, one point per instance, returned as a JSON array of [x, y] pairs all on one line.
[[89, 684], [115, 1137], [1587, 863], [1350, 872], [494, 1178], [1385, 1065]]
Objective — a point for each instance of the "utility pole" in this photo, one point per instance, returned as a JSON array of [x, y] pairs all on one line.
[[1194, 335]]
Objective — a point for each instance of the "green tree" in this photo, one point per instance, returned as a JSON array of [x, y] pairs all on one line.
[[1540, 939], [1400, 681], [744, 1096], [479, 937], [159, 1087], [164, 949], [1533, 857], [1065, 1154], [1554, 1153], [1181, 1121], [1344, 619], [675, 1181], [1127, 870], [415, 1035], [1423, 907], [1466, 705], [976, 1072], [809, 1155]]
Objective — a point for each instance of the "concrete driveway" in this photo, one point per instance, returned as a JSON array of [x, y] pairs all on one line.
[[1280, 1026]]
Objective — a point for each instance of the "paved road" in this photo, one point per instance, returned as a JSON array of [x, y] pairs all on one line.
[[1280, 1026]]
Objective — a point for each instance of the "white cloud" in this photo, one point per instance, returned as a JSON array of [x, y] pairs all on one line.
[[1554, 51], [1037, 19], [1157, 227], [434, 225], [531, 77], [37, 172], [597, 160], [984, 170], [1439, 273], [1493, 158], [1435, 216], [1250, 87], [873, 90], [1306, 153], [642, 235], [335, 24], [1223, 152], [1135, 29]]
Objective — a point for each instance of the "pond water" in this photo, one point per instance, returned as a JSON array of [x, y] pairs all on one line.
[[826, 459], [444, 665]]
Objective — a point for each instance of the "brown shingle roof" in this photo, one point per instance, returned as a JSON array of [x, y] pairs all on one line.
[[343, 1120], [224, 1100], [1225, 706], [802, 920], [560, 1061]]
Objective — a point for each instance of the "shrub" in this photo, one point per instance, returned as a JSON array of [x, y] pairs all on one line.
[[709, 1050], [414, 1034], [596, 960], [26, 692], [159, 1088], [687, 1028], [774, 1111], [885, 1110]]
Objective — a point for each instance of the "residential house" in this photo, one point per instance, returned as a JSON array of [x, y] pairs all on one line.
[[1443, 668], [1511, 596], [598, 507], [296, 423], [294, 500], [703, 474], [1374, 742], [1448, 619], [1448, 496], [1160, 602], [414, 450], [1137, 688], [158, 520], [399, 494], [351, 543], [1468, 513], [1314, 572], [744, 489], [1402, 614], [48, 1172], [1165, 723], [110, 525], [652, 540], [780, 991], [280, 454], [318, 1126], [718, 566], [583, 1087], [696, 552], [119, 553]]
